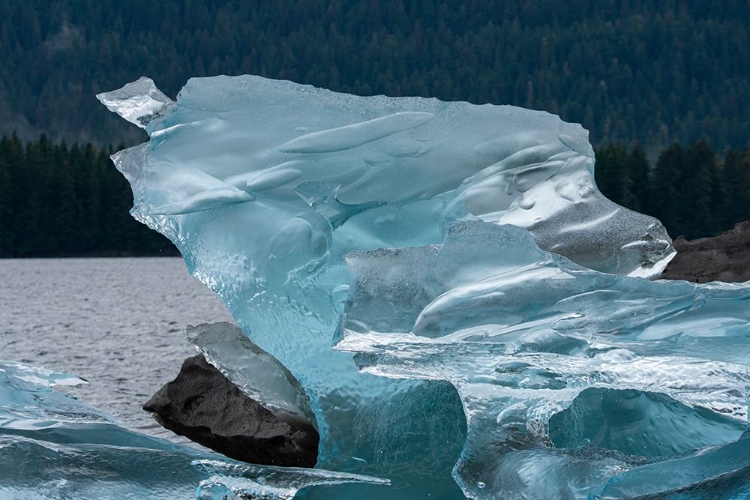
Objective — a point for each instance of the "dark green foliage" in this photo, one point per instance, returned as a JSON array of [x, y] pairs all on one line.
[[613, 176], [60, 201], [735, 205], [655, 72], [700, 190], [666, 184], [637, 167], [690, 190]]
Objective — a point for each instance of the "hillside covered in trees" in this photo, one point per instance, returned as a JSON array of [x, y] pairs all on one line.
[[692, 190], [60, 201], [636, 70]]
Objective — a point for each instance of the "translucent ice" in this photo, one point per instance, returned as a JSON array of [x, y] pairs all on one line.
[[254, 371], [403, 170], [138, 102], [569, 378], [382, 226], [53, 447]]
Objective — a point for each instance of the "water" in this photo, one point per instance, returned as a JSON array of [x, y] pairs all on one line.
[[118, 323]]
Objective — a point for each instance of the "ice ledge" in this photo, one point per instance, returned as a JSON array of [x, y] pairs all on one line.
[[139, 102]]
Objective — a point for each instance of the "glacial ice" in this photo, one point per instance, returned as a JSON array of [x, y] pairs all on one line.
[[254, 371], [53, 447], [570, 378], [451, 290]]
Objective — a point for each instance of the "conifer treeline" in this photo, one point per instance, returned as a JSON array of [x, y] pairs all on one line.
[[691, 190], [57, 200]]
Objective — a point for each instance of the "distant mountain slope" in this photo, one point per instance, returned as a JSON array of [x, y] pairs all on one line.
[[656, 72]]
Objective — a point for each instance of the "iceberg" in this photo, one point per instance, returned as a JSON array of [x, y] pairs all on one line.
[[468, 315]]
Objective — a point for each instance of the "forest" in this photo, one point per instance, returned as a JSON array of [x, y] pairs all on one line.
[[663, 87], [60, 201], [692, 190], [57, 200], [655, 73]]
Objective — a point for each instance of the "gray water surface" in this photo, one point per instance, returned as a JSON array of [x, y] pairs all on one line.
[[118, 323]]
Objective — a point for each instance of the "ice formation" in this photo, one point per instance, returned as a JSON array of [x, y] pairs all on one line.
[[254, 371], [575, 383], [465, 310], [53, 447], [383, 226]]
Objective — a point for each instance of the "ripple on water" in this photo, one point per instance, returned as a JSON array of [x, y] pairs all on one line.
[[118, 323]]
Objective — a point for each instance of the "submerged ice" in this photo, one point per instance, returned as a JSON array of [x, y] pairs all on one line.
[[465, 311]]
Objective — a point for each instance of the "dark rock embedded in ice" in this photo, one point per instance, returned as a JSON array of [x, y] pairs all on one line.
[[206, 407], [722, 258]]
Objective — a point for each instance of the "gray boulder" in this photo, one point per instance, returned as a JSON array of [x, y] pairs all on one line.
[[206, 407]]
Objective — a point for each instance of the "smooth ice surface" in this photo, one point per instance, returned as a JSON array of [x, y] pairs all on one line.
[[53, 447], [381, 226], [399, 171], [254, 371], [570, 378]]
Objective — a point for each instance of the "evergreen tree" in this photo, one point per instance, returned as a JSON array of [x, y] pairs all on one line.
[[735, 206], [60, 201], [612, 174], [666, 189], [6, 214], [698, 195], [638, 168]]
